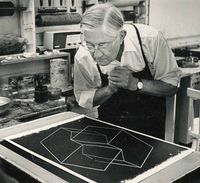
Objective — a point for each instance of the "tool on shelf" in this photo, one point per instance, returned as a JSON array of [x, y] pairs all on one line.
[[49, 10], [36, 114], [42, 113], [7, 8]]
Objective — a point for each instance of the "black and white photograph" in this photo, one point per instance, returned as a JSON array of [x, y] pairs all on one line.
[[99, 91]]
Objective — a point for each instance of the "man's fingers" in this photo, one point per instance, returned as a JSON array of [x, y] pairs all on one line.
[[119, 71], [120, 68], [114, 78], [114, 83], [115, 73]]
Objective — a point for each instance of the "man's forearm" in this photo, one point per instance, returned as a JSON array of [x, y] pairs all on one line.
[[158, 88], [121, 77], [103, 94], [150, 87]]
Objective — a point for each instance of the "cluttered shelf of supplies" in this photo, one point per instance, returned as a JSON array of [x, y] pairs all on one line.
[[29, 57], [19, 85], [27, 110]]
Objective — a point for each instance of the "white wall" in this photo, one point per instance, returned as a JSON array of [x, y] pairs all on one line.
[[10, 24], [179, 20]]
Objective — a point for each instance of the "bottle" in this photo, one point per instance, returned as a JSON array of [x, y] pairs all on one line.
[[190, 59], [41, 92], [23, 92]]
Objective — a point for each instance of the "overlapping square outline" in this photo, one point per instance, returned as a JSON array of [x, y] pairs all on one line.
[[97, 147]]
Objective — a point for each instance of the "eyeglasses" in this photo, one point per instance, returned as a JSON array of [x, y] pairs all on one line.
[[192, 59], [101, 46]]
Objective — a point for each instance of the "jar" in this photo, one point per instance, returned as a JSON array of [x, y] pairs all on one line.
[[41, 94], [54, 93]]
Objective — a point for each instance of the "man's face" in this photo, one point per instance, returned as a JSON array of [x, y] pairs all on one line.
[[103, 48]]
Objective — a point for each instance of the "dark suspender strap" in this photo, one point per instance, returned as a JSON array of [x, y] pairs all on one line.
[[99, 68], [140, 41], [121, 49]]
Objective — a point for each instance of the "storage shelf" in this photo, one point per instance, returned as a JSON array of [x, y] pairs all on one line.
[[14, 8], [30, 65], [59, 27], [34, 58]]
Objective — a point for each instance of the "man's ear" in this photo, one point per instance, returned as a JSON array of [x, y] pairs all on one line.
[[122, 35]]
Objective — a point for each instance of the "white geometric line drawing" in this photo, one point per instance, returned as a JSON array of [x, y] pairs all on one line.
[[95, 147]]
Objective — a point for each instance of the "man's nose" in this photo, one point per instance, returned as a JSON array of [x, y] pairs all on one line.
[[97, 53]]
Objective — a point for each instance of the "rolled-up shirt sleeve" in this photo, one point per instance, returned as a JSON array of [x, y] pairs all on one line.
[[85, 84], [164, 65]]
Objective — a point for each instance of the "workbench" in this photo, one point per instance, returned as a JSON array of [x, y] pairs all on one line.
[[170, 173], [23, 110]]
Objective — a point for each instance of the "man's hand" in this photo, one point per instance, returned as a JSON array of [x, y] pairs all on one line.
[[121, 77]]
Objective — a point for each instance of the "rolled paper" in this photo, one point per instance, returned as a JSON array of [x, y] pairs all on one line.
[[120, 3], [57, 19]]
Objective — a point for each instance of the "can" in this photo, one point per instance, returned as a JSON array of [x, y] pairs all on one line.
[[59, 73]]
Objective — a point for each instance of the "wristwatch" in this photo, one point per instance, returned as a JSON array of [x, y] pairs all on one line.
[[139, 84]]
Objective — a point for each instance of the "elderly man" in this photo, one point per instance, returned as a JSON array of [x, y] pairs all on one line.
[[125, 70]]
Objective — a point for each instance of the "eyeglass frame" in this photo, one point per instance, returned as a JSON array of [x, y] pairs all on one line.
[[96, 46]]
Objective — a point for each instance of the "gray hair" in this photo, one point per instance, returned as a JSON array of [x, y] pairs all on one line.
[[104, 16]]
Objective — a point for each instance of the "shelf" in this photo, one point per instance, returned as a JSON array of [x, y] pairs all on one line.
[[14, 8], [33, 58], [29, 65], [56, 28]]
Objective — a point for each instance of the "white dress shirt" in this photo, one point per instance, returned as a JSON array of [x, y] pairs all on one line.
[[161, 62]]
